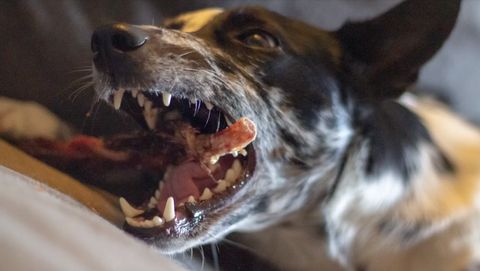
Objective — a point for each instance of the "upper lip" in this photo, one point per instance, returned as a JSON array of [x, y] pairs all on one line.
[[149, 101]]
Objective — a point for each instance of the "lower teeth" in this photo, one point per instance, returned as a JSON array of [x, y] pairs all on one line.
[[155, 222], [169, 213]]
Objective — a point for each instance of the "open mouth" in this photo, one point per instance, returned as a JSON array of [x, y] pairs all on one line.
[[217, 167]]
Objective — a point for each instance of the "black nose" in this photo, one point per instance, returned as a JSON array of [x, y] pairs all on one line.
[[116, 49], [122, 37]]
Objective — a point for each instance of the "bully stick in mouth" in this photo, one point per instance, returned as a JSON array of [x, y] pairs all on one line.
[[146, 150], [205, 148]]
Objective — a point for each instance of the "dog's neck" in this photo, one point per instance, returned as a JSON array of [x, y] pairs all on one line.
[[392, 208]]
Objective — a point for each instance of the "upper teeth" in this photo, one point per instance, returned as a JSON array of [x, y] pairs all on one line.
[[148, 105], [229, 123], [117, 98], [209, 106], [141, 99], [167, 98], [134, 93]]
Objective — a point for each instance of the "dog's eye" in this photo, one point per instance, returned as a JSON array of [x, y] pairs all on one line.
[[259, 39]]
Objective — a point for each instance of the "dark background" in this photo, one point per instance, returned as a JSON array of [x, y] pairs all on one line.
[[43, 43]]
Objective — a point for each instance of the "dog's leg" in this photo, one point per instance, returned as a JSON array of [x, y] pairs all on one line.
[[27, 120]]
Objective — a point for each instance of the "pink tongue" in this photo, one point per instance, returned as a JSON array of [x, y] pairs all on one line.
[[182, 182]]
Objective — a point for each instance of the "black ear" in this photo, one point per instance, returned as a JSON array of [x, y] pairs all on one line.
[[389, 50]]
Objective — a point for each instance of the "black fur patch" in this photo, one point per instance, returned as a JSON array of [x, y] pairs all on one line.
[[393, 131], [307, 86]]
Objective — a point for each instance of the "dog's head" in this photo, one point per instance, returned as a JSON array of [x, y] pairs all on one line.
[[307, 91]]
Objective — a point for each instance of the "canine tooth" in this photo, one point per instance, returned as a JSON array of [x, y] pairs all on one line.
[[148, 106], [207, 194], [167, 98], [237, 167], [229, 123], [134, 93], [117, 98], [157, 194], [132, 222], [141, 99], [157, 221], [169, 212], [191, 199], [153, 200], [222, 186], [128, 210], [231, 176], [209, 106], [149, 224], [193, 101]]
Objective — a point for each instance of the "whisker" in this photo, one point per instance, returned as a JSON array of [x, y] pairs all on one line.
[[208, 118], [95, 116], [203, 258], [241, 246], [216, 264], [187, 53], [79, 80], [79, 90]]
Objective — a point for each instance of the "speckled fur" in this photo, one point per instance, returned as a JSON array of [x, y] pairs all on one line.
[[339, 216]]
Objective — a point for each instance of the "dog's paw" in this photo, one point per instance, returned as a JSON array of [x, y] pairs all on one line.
[[25, 120]]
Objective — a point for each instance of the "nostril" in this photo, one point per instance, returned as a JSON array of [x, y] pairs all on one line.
[[125, 41], [121, 37]]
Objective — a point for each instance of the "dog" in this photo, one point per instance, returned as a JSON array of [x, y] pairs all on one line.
[[341, 170]]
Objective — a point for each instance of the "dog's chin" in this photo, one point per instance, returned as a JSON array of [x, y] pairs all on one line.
[[180, 236], [194, 202]]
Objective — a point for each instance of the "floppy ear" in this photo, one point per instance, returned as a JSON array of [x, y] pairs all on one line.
[[389, 50]]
